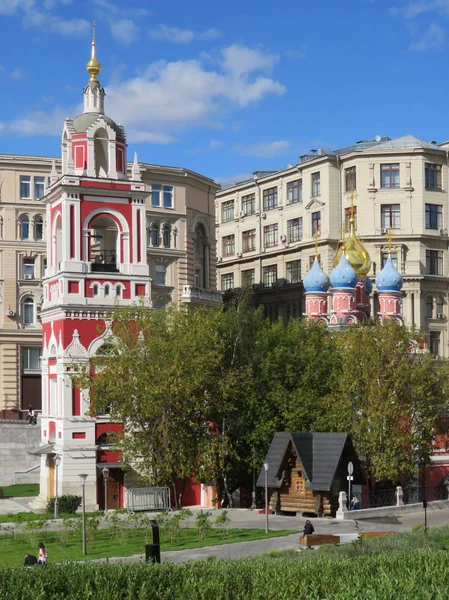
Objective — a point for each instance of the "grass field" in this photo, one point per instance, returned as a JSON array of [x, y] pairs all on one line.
[[106, 545], [22, 490]]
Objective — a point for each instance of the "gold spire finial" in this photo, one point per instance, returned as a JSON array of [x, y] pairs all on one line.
[[93, 66], [317, 237], [390, 235]]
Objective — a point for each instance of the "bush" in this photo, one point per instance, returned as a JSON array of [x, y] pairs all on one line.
[[67, 504]]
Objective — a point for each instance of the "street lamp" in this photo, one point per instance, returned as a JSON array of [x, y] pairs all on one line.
[[105, 472], [265, 466], [57, 461], [83, 478]]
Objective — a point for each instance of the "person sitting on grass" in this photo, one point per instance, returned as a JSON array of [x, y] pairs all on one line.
[[308, 528], [43, 555], [30, 560]]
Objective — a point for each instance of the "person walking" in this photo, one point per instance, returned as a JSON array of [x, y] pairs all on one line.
[[43, 555]]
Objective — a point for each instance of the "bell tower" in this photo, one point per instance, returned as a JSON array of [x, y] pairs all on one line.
[[96, 253]]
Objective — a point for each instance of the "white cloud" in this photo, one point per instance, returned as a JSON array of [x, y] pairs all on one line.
[[35, 16], [228, 180], [214, 144], [17, 74], [9, 7], [125, 10], [300, 52], [172, 96], [417, 8], [433, 38], [264, 150], [124, 31], [177, 35], [241, 59]]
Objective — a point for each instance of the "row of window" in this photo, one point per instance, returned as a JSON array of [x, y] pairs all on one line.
[[32, 188], [435, 307], [31, 229], [270, 235], [389, 179], [162, 196], [155, 236]]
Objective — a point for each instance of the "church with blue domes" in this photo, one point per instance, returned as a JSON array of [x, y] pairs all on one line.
[[345, 296]]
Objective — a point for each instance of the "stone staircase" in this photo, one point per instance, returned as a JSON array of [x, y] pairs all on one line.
[[16, 465]]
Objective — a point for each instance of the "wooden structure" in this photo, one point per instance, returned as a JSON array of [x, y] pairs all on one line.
[[306, 471]]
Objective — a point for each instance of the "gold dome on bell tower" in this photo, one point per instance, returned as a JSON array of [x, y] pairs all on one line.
[[354, 251], [93, 67]]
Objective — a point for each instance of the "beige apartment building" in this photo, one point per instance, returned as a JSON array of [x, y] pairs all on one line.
[[267, 227], [180, 247]]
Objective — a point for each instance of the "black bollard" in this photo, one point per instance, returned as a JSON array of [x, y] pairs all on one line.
[[153, 551]]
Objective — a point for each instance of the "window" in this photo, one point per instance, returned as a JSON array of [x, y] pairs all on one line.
[[270, 198], [31, 359], [38, 229], [228, 245], [389, 175], [24, 228], [95, 290], [39, 185], [316, 184], [155, 235], [25, 187], [316, 222], [429, 307], [390, 216], [348, 217], [440, 306], [166, 190], [434, 216], [227, 281], [270, 275], [293, 271], [270, 235], [155, 195], [434, 342], [434, 262], [433, 176], [198, 279], [294, 230], [107, 290], [160, 275], [248, 277], [249, 240], [28, 268], [249, 204], [166, 236], [168, 196], [294, 191], [393, 256], [118, 291], [28, 311], [350, 179], [227, 211]]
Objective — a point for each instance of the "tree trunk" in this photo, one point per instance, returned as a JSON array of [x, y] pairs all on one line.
[[229, 497]]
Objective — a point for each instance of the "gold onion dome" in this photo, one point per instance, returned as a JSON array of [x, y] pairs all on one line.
[[354, 251], [93, 67]]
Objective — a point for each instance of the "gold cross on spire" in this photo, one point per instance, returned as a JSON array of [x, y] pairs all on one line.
[[317, 237], [93, 66], [390, 235]]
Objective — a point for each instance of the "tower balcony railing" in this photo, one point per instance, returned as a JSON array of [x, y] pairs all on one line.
[[191, 292], [104, 261]]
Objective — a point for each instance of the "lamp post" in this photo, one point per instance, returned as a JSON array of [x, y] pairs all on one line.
[[265, 466], [83, 478], [105, 472], [57, 461]]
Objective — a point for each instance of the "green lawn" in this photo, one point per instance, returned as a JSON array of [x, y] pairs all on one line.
[[21, 490], [132, 541]]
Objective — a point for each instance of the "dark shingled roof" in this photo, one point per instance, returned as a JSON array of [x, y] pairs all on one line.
[[319, 454]]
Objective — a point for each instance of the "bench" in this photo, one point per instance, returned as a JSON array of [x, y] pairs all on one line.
[[318, 539]]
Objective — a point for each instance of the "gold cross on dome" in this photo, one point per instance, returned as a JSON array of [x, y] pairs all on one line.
[[343, 230], [390, 235], [317, 237]]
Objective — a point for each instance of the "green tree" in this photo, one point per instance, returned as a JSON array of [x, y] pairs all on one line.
[[389, 400]]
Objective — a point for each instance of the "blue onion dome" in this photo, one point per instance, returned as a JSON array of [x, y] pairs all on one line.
[[368, 286], [344, 276], [389, 279], [316, 279]]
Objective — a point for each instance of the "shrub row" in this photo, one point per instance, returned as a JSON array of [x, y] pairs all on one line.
[[66, 504], [421, 575]]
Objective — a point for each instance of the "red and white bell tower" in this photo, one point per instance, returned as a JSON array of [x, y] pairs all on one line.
[[96, 253]]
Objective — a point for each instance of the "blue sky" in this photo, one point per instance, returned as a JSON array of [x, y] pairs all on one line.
[[227, 88]]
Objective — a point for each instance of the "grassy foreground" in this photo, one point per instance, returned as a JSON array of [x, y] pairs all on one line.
[[417, 576], [21, 490], [104, 545]]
